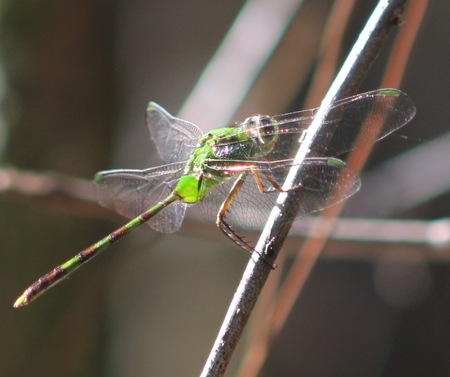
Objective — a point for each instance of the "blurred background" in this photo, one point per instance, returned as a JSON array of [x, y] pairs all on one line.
[[75, 79]]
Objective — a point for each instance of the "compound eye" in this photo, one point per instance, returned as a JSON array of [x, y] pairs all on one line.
[[263, 130], [267, 132]]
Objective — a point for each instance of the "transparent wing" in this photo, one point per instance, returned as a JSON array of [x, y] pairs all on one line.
[[239, 166], [344, 124], [131, 192], [322, 185], [174, 138]]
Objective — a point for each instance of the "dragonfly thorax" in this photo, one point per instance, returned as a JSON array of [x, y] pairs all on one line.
[[207, 165]]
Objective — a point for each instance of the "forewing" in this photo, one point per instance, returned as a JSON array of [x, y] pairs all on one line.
[[345, 120], [174, 138], [131, 192], [366, 118]]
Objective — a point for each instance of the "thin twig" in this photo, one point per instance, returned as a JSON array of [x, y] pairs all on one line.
[[385, 16]]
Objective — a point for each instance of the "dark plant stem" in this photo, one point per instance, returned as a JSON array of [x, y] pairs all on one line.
[[385, 16]]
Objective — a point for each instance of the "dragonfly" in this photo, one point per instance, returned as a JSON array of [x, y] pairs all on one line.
[[234, 174]]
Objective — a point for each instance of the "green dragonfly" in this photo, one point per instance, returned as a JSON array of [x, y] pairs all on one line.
[[239, 170]]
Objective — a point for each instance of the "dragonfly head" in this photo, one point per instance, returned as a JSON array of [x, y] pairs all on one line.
[[263, 130]]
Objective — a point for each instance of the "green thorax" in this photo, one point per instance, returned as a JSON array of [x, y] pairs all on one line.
[[250, 140]]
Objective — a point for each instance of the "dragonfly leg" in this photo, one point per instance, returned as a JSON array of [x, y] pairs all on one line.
[[223, 225], [227, 229], [269, 177]]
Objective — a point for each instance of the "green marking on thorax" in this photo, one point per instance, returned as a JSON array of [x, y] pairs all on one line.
[[242, 142]]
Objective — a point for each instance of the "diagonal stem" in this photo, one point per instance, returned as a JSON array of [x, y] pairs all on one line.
[[386, 15]]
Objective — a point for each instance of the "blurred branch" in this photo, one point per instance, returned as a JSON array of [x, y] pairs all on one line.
[[400, 175], [238, 60], [358, 239], [49, 190], [404, 44], [290, 66], [58, 192], [329, 51]]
